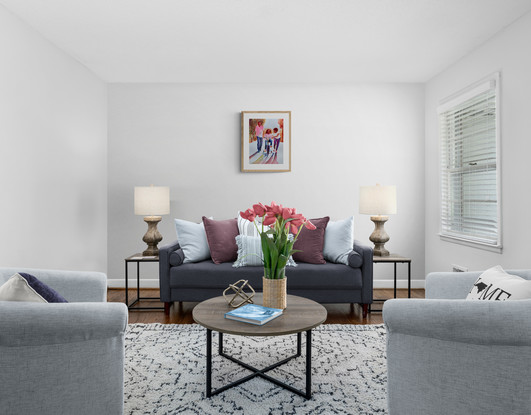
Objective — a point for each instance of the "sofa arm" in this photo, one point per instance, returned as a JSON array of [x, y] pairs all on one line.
[[365, 252], [464, 321], [74, 286], [164, 269]]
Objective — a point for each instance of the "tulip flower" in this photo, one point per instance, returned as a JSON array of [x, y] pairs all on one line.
[[277, 245], [259, 209], [249, 214]]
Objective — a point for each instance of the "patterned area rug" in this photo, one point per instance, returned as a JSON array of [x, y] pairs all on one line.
[[165, 372]]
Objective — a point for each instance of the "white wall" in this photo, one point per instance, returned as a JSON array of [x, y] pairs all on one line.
[[53, 211], [187, 136], [508, 52]]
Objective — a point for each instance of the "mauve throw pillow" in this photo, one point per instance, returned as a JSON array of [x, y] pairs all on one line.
[[311, 243], [221, 236]]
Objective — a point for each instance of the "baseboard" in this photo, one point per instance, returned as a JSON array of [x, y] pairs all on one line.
[[401, 283], [153, 283], [144, 283]]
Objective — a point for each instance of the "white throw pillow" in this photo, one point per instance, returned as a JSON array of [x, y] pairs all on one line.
[[250, 252], [17, 288], [192, 240], [339, 240], [248, 228], [496, 284]]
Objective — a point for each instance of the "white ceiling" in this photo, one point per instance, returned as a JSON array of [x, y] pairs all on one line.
[[267, 40]]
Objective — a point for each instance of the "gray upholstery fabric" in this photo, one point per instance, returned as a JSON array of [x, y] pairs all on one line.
[[321, 282], [453, 356], [354, 259], [63, 358], [74, 286]]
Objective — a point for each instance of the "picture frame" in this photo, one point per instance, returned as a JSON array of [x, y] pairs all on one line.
[[266, 141]]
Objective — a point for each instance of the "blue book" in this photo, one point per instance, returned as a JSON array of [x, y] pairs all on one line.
[[254, 314]]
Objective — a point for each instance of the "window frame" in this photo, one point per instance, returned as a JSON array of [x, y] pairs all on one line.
[[467, 95]]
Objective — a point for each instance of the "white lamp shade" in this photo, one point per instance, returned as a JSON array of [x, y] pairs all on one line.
[[378, 200], [152, 200]]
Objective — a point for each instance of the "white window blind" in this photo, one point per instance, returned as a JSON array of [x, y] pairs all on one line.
[[470, 188]]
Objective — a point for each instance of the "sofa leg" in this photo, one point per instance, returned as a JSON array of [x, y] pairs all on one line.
[[167, 308], [365, 309]]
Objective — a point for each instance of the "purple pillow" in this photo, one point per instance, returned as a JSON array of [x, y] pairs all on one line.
[[311, 243], [48, 293], [221, 237]]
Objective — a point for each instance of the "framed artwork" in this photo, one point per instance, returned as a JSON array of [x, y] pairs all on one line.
[[266, 141]]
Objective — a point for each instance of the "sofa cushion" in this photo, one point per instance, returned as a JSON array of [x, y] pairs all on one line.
[[206, 274], [311, 243], [496, 284], [339, 240], [221, 235], [26, 287], [193, 241], [176, 257]]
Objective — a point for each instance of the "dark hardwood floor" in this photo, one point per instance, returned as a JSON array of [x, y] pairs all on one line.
[[182, 313]]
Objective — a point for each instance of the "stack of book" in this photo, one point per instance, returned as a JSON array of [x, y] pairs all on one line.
[[254, 314]]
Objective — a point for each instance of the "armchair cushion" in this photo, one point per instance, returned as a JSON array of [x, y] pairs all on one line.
[[495, 284], [25, 287]]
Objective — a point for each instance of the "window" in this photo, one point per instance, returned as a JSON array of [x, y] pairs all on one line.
[[470, 185]]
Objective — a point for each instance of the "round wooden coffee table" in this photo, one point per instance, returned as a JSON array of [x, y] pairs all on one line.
[[301, 315]]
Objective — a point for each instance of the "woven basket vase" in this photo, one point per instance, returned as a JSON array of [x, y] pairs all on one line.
[[275, 295]]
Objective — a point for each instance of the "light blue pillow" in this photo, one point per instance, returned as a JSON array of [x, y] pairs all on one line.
[[193, 241], [250, 252], [339, 240]]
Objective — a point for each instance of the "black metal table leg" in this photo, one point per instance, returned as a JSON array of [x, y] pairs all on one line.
[[259, 372], [209, 364], [126, 285], [409, 280], [308, 364], [395, 281]]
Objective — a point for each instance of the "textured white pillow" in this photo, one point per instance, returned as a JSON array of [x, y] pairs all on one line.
[[192, 240], [496, 284], [17, 288], [248, 228], [250, 252], [339, 240]]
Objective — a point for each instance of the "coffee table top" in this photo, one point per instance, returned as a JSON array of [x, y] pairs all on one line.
[[301, 314]]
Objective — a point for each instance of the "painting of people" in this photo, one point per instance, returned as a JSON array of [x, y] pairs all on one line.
[[266, 141]]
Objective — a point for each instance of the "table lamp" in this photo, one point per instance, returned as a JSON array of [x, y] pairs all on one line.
[[378, 201], [152, 201]]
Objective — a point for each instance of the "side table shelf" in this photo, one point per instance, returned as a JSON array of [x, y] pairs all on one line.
[[393, 259], [138, 258]]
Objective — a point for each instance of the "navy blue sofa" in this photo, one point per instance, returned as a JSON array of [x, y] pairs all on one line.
[[324, 283]]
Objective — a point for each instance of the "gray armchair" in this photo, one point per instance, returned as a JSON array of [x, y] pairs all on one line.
[[446, 355], [63, 358]]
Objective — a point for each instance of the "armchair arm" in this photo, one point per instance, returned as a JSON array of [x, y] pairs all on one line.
[[74, 286], [464, 321], [164, 269], [366, 270], [458, 356], [36, 324], [62, 358]]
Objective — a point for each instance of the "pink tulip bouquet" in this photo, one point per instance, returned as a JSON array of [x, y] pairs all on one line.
[[277, 246]]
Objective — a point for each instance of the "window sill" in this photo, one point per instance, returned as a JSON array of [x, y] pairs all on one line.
[[492, 248]]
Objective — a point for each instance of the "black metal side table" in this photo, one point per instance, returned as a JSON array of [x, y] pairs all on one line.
[[394, 259], [138, 258]]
